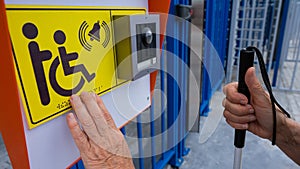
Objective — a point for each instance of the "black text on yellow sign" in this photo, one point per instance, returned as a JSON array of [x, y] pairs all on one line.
[[60, 52]]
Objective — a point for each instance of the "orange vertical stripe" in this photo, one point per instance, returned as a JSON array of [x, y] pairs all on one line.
[[159, 6], [11, 125]]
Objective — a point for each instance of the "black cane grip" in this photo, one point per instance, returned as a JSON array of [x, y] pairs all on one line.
[[246, 61]]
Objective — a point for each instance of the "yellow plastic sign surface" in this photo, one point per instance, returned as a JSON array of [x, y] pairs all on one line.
[[60, 52]]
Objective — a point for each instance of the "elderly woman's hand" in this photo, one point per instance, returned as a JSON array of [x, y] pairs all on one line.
[[99, 141]]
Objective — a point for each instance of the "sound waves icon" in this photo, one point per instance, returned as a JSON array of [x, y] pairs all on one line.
[[94, 34], [81, 35], [107, 34]]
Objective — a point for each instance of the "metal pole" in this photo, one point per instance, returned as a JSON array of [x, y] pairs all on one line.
[[237, 163]]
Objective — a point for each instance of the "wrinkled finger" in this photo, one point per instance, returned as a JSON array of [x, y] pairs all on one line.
[[78, 135], [239, 119], [232, 94], [85, 119], [238, 125], [237, 109], [106, 113], [95, 111]]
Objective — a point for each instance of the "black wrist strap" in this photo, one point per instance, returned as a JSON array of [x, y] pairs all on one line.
[[269, 88]]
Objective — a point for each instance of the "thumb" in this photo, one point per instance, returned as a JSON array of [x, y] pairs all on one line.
[[253, 83]]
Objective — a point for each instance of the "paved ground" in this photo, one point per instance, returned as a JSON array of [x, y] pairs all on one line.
[[217, 152]]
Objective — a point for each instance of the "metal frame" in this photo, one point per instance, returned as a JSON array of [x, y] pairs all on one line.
[[248, 28], [285, 74], [281, 55]]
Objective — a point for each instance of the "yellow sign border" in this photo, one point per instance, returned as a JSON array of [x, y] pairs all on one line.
[[37, 7]]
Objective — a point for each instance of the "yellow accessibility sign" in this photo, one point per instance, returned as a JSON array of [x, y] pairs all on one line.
[[60, 52]]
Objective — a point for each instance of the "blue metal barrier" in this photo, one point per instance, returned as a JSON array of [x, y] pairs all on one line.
[[216, 24]]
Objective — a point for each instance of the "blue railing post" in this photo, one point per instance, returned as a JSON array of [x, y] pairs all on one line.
[[172, 89], [166, 155], [152, 133], [177, 96], [163, 112], [279, 44], [140, 141], [206, 86], [184, 32]]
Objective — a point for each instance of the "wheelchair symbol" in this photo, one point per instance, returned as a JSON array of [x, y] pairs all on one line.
[[30, 31]]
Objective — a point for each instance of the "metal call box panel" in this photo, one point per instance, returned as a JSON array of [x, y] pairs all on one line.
[[137, 45]]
